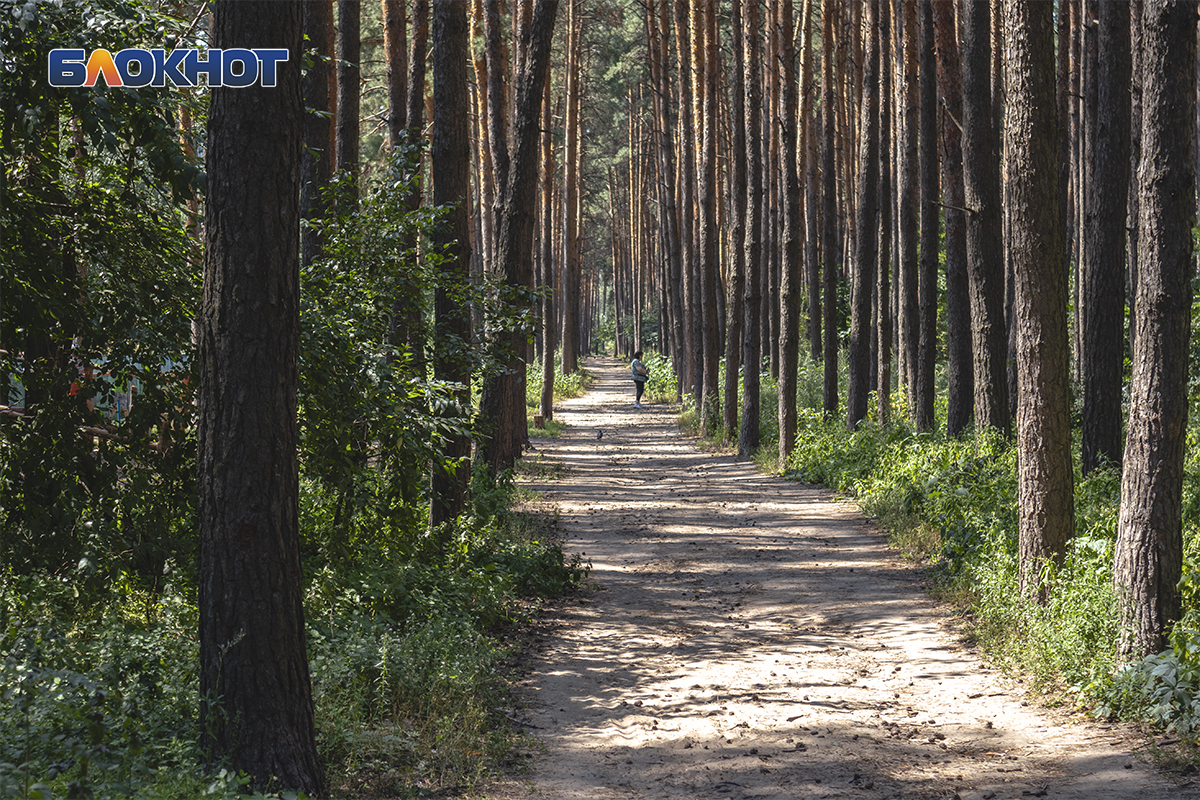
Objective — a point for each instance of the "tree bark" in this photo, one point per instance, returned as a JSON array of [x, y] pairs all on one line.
[[829, 210], [1103, 353], [1149, 550], [317, 160], [450, 163], [883, 292], [252, 643], [734, 307], [866, 249], [708, 223], [985, 245], [748, 438], [570, 261], [923, 410], [546, 398], [908, 203], [349, 73], [793, 233], [1046, 515], [501, 404], [395, 43]]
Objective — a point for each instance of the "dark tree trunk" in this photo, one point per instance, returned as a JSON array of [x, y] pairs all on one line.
[[985, 245], [686, 173], [252, 642], [450, 165], [866, 245], [1135, 158], [710, 331], [737, 229], [959, 375], [748, 439], [668, 210], [883, 293], [923, 411], [793, 232], [502, 405], [908, 203], [1045, 480], [395, 43], [349, 73], [412, 313], [829, 210], [1104, 276], [1149, 551], [546, 398], [317, 161]]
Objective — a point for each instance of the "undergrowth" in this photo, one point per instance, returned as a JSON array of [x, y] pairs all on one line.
[[101, 692]]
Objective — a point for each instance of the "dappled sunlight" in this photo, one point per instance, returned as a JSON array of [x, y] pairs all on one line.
[[746, 636]]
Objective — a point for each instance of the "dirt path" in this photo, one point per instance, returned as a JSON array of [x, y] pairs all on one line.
[[750, 637]]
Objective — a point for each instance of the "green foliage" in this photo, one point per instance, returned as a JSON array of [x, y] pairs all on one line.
[[565, 386], [99, 285], [1164, 688]]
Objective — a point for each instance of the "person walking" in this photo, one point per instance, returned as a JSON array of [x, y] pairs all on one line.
[[641, 374]]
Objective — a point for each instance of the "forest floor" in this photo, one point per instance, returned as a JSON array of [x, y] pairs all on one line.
[[743, 636]]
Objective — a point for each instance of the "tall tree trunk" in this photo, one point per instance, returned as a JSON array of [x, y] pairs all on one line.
[[708, 224], [959, 373], [883, 292], [923, 410], [252, 642], [349, 74], [748, 438], [734, 307], [316, 166], [1103, 353], [395, 43], [985, 245], [793, 233], [1046, 516], [501, 404], [908, 202], [866, 245], [414, 323], [570, 263], [668, 210], [450, 159], [1149, 551], [829, 210], [546, 404], [686, 171]]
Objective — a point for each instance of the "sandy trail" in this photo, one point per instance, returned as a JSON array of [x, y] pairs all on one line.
[[749, 637]]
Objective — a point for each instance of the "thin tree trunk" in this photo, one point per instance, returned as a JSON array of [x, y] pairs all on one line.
[[985, 245], [546, 404], [395, 43], [737, 230], [866, 245], [829, 211], [748, 438], [1103, 353], [908, 203], [708, 225], [316, 166], [793, 233], [349, 73], [883, 292], [570, 295], [923, 411]]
